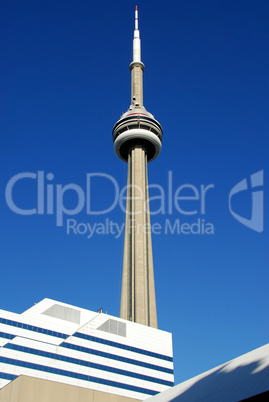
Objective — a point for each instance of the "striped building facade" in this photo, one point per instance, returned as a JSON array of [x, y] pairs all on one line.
[[58, 342]]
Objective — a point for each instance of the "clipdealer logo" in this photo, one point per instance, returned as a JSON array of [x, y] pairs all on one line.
[[186, 200], [257, 209]]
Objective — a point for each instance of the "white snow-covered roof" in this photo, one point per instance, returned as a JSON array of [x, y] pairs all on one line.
[[234, 381]]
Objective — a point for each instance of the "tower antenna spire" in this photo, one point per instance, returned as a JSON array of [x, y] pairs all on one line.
[[137, 67], [136, 18]]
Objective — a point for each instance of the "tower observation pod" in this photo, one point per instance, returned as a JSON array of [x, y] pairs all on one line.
[[137, 138]]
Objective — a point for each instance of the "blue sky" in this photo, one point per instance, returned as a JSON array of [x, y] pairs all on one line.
[[65, 82]]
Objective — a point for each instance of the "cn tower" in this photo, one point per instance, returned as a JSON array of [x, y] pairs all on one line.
[[137, 138]]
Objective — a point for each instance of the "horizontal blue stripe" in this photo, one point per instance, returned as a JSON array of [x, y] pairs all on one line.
[[97, 366], [33, 328], [103, 354], [39, 367], [116, 357], [6, 376], [6, 336], [122, 346], [84, 336]]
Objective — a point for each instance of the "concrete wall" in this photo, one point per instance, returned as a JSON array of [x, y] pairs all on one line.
[[29, 389]]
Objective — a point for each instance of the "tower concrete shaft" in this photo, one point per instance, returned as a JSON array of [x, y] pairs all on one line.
[[138, 302], [137, 140]]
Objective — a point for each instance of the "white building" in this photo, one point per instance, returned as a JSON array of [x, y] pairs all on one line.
[[245, 378], [66, 344]]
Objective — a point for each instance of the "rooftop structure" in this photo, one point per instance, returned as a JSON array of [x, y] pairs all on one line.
[[245, 378]]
